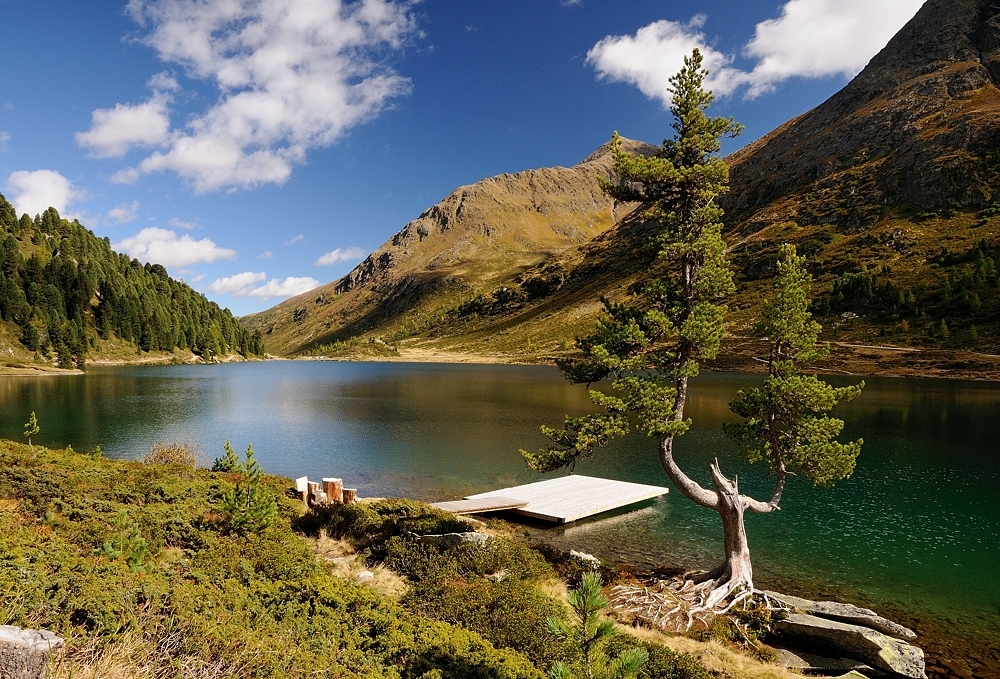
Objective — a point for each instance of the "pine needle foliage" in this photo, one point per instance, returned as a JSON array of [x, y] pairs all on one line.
[[589, 633], [31, 428], [651, 343], [250, 506], [786, 421], [230, 462]]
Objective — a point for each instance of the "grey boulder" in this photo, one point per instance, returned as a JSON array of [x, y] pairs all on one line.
[[845, 613], [862, 643]]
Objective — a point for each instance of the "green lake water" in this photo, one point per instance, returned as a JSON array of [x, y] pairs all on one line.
[[915, 531]]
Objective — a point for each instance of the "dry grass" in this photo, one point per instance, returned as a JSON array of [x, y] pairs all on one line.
[[722, 661], [133, 656], [342, 558], [185, 454]]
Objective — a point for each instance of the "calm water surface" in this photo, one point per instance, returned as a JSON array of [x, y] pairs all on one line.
[[915, 529]]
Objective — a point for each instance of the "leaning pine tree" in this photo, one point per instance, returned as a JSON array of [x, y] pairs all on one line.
[[650, 346]]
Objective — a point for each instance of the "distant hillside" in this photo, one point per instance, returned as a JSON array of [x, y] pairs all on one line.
[[65, 294], [891, 187], [478, 239]]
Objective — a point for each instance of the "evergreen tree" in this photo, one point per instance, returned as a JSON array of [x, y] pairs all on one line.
[[229, 462], [786, 421], [587, 635], [250, 506], [31, 428], [650, 346], [73, 288]]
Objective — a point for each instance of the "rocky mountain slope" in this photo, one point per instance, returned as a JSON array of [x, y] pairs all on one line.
[[890, 187], [477, 239]]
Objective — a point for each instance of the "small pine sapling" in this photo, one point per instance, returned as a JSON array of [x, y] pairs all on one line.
[[31, 428], [588, 634], [229, 462], [250, 506]]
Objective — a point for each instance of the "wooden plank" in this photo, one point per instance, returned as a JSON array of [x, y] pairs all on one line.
[[492, 504], [574, 497]]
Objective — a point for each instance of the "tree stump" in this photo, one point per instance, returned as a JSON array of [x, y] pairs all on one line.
[[334, 489], [350, 495], [24, 653]]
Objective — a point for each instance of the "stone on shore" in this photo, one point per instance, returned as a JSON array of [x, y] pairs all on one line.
[[817, 664], [862, 643], [845, 613], [24, 653]]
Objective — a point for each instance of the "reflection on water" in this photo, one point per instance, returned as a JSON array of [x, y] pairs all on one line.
[[917, 525]]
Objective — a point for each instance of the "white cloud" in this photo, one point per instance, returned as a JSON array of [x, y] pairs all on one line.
[[243, 285], [126, 212], [161, 246], [292, 75], [238, 283], [817, 38], [655, 53], [295, 239], [810, 39], [182, 224], [571, 3], [267, 254], [4, 140], [340, 255], [289, 287], [35, 192], [114, 131]]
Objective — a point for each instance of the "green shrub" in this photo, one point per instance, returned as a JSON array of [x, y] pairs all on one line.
[[248, 606], [662, 662], [371, 525], [509, 613], [250, 506]]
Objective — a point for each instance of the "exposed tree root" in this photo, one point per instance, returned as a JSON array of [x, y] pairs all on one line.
[[677, 604]]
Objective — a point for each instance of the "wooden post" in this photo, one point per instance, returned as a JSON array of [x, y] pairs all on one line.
[[24, 653], [350, 495], [334, 489]]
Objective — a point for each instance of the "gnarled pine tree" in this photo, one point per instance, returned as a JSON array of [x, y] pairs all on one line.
[[651, 345]]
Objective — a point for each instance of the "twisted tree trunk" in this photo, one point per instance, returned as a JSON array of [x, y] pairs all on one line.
[[735, 573]]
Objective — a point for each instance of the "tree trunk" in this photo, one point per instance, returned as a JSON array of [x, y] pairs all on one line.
[[736, 570]]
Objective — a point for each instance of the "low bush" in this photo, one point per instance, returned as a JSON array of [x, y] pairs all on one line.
[[119, 555], [183, 454], [371, 525], [490, 588], [662, 662]]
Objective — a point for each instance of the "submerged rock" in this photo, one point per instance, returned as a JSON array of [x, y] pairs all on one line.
[[845, 613], [24, 653], [862, 643]]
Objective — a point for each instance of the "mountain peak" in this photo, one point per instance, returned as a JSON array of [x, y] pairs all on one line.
[[917, 126]]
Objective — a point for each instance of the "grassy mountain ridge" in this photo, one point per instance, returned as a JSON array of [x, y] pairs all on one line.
[[65, 295], [891, 188]]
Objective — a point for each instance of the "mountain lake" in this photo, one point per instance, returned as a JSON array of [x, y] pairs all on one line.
[[914, 533]]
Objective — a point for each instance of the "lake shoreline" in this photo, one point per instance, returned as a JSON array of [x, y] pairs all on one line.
[[846, 359]]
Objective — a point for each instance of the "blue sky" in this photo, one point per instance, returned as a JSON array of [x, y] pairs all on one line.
[[260, 147]]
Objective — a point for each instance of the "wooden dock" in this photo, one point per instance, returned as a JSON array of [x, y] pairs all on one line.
[[480, 506], [571, 498]]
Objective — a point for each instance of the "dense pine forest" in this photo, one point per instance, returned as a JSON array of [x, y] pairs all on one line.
[[65, 289]]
